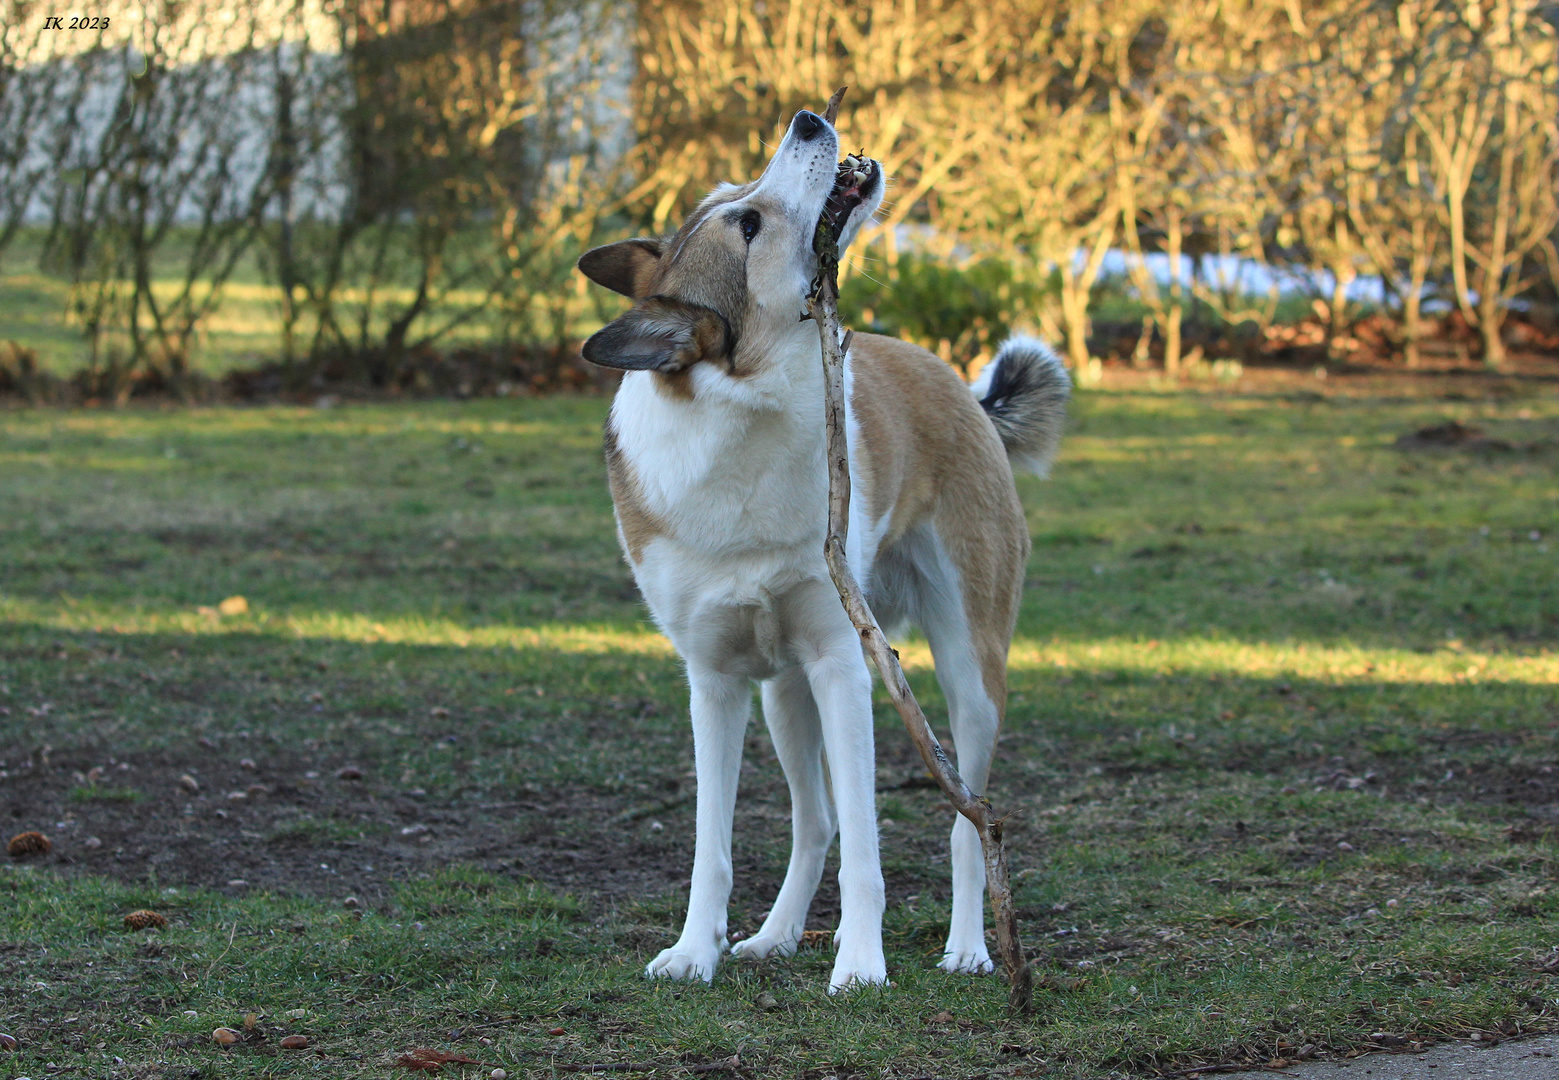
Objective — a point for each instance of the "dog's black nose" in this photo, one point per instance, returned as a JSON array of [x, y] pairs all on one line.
[[807, 126]]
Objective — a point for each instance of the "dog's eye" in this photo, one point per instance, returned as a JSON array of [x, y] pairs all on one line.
[[750, 223]]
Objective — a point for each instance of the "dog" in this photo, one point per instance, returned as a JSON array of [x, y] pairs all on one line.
[[715, 459]]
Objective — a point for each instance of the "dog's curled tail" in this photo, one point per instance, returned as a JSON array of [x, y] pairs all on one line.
[[1024, 392]]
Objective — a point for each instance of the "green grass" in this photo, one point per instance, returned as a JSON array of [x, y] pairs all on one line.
[[245, 330], [1282, 736]]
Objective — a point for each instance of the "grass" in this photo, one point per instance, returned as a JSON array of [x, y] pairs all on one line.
[[245, 330], [1282, 736]]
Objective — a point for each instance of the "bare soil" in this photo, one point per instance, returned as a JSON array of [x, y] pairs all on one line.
[[291, 825]]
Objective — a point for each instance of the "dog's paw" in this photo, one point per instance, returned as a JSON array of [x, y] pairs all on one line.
[[854, 971], [975, 961], [680, 962], [761, 945]]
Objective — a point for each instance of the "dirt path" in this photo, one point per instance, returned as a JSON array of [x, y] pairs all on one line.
[[1526, 1059]]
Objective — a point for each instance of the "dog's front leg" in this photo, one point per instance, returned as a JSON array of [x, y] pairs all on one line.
[[720, 706], [843, 689]]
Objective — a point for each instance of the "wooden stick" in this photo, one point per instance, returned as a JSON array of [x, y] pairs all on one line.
[[823, 306], [831, 110]]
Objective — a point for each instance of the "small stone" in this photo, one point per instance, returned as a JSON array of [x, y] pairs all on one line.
[[497, 1074], [295, 1042], [237, 883], [555, 1031], [237, 796], [351, 902], [1343, 845], [91, 843], [225, 1036], [8, 1042], [349, 772], [189, 783], [248, 763]]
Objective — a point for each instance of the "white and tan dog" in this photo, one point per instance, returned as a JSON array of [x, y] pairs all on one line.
[[714, 451]]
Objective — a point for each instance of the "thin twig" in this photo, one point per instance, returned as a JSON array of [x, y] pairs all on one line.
[[636, 812], [823, 306], [218, 960], [730, 1064]]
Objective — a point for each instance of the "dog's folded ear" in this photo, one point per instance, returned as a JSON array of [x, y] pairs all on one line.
[[661, 334], [625, 267]]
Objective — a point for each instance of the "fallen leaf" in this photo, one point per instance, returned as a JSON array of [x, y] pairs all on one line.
[[234, 605], [428, 1060], [226, 1036], [1060, 982]]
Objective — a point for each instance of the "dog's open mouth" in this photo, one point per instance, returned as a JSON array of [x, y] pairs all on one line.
[[854, 182]]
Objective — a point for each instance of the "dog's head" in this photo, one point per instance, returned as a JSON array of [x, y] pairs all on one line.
[[731, 285]]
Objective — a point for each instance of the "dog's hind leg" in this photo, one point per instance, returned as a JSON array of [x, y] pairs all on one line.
[[720, 707], [975, 720], [791, 714]]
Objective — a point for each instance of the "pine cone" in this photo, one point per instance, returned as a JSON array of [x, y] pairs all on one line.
[[29, 843], [145, 920]]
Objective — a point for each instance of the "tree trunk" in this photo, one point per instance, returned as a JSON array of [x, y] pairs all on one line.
[[1173, 242]]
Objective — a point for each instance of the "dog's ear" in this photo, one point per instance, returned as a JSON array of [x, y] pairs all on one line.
[[625, 267], [661, 334]]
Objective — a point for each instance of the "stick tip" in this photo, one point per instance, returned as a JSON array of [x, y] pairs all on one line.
[[831, 110], [1020, 998]]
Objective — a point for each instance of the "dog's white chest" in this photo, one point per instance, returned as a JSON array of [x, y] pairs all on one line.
[[739, 497]]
